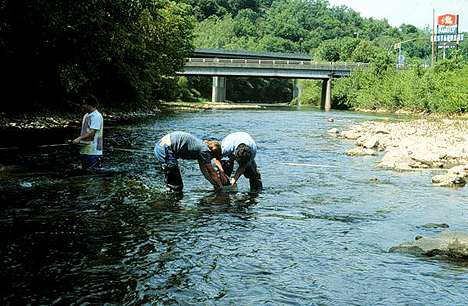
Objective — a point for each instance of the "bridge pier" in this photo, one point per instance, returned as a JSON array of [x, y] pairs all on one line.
[[218, 93], [297, 90], [325, 99]]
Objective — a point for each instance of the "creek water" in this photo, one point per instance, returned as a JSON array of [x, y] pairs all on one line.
[[314, 236]]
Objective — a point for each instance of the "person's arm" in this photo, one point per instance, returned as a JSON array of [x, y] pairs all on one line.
[[240, 170], [86, 136], [210, 174], [224, 178]]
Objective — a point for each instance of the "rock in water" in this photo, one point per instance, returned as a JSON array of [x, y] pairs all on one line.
[[448, 244], [360, 151]]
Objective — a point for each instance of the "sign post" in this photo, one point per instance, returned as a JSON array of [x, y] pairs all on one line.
[[447, 33]]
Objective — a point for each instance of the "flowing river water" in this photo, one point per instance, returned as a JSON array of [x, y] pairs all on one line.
[[314, 236]]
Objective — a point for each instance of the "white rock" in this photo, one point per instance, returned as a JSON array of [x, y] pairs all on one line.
[[371, 143], [448, 180], [447, 244], [351, 134], [360, 151]]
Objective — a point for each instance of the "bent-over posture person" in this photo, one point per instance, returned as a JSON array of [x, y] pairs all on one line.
[[239, 147], [90, 138], [186, 146]]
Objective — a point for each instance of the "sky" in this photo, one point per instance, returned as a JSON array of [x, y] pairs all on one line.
[[415, 12]]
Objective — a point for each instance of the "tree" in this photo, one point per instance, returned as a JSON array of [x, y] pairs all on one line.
[[58, 51]]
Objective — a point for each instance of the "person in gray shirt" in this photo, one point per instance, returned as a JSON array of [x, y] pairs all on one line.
[[183, 145]]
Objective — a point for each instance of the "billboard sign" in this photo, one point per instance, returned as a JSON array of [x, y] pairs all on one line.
[[448, 38], [447, 24]]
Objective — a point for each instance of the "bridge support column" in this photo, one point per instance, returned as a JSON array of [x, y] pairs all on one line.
[[325, 101], [297, 90], [218, 93]]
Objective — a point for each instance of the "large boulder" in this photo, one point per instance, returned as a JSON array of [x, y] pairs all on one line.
[[396, 159], [447, 244]]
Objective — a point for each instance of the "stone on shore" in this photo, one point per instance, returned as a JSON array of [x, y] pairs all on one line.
[[455, 177], [371, 143], [351, 134], [447, 243], [360, 151], [396, 159]]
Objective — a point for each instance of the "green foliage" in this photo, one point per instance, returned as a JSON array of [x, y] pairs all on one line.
[[415, 89], [119, 50]]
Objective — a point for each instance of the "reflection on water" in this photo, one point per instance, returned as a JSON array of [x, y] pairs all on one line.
[[313, 236]]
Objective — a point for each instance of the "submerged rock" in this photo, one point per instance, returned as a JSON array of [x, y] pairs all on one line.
[[435, 225], [448, 244]]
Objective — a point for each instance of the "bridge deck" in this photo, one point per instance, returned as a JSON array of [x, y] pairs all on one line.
[[268, 68]]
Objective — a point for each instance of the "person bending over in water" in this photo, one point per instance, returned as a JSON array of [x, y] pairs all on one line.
[[186, 146], [239, 147]]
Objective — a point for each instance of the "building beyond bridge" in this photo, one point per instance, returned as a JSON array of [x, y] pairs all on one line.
[[226, 63]]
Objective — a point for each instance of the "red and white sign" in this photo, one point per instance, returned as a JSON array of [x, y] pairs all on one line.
[[447, 20], [447, 24]]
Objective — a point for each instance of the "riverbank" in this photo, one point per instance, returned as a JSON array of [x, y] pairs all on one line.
[[434, 144], [50, 119]]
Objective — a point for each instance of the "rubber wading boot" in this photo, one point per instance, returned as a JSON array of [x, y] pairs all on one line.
[[256, 183], [173, 179]]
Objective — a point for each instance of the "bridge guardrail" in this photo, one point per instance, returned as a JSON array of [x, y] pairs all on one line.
[[223, 62]]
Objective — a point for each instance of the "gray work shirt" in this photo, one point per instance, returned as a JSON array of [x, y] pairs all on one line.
[[187, 146]]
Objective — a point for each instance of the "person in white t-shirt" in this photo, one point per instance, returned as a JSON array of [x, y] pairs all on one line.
[[239, 147], [90, 138]]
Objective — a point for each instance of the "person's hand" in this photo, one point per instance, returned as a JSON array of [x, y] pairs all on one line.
[[224, 178], [76, 140], [233, 182]]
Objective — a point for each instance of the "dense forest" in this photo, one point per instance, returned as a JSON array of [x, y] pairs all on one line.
[[127, 53]]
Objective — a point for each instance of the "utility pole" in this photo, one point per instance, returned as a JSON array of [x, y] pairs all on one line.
[[433, 38]]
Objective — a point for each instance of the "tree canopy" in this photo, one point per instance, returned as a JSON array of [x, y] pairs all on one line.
[[119, 50]]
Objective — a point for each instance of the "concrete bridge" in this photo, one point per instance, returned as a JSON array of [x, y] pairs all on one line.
[[224, 63]]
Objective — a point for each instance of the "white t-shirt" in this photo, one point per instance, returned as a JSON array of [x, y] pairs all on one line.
[[231, 141], [93, 121]]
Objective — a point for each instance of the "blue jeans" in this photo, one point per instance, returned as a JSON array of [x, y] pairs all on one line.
[[165, 155], [168, 160], [89, 162]]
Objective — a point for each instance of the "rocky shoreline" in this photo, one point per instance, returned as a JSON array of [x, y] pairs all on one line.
[[54, 119], [413, 145], [419, 144]]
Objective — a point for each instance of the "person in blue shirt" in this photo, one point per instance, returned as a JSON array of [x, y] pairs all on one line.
[[183, 145], [239, 147]]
